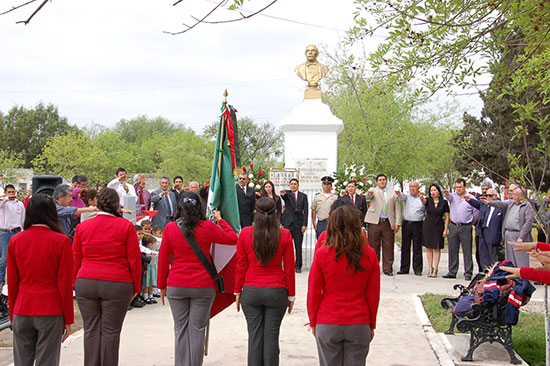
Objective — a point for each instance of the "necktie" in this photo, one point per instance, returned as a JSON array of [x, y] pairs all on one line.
[[243, 189], [140, 195], [384, 208], [169, 205], [295, 194], [353, 200]]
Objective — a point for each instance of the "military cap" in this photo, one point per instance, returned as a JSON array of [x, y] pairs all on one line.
[[327, 180]]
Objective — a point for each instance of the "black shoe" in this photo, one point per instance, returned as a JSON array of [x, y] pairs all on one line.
[[418, 273], [468, 277], [156, 295], [149, 301], [298, 270], [402, 272], [153, 301], [388, 273], [448, 275], [137, 303]]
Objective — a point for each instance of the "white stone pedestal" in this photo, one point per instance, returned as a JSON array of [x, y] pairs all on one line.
[[311, 141]]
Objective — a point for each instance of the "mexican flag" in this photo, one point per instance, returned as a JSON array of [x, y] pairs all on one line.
[[223, 196]]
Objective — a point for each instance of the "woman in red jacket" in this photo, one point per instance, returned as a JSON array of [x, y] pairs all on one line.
[[107, 270], [265, 267], [344, 292], [183, 278], [540, 251], [40, 285]]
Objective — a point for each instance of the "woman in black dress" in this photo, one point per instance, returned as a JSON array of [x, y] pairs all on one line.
[[435, 229]]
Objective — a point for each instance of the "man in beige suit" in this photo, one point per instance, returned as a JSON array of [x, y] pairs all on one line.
[[384, 219]]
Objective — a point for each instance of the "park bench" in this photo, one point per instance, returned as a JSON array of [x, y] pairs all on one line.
[[484, 321], [4, 313]]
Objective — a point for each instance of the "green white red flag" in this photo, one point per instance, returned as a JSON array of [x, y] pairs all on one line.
[[223, 196]]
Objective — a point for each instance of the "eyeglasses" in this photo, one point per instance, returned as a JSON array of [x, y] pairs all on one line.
[[242, 178]]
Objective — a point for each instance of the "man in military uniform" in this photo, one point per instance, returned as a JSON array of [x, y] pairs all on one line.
[[320, 208]]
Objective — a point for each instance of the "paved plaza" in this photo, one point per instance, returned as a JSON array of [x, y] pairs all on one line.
[[401, 337]]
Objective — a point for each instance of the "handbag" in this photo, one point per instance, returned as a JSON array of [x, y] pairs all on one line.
[[202, 258]]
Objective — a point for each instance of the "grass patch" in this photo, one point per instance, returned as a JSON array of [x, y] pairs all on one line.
[[528, 334]]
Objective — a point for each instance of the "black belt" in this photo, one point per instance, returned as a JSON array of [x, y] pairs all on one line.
[[322, 220], [382, 219], [16, 230], [413, 222], [461, 224]]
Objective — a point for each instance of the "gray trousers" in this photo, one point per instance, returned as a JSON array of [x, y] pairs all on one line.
[[460, 234], [343, 345], [37, 338], [520, 259], [191, 310], [103, 305], [264, 309]]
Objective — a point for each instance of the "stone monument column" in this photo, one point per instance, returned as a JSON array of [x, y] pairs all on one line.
[[311, 130]]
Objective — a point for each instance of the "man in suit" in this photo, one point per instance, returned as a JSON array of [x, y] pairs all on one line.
[[178, 187], [295, 217], [165, 202], [247, 200], [485, 186], [357, 200], [517, 224], [384, 219], [489, 228]]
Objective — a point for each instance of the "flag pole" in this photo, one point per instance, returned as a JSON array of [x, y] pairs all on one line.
[[214, 247]]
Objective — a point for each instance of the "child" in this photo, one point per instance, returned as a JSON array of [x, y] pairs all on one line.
[[157, 233], [147, 225], [149, 278], [139, 232]]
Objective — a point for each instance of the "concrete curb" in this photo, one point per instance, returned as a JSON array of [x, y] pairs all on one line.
[[439, 347]]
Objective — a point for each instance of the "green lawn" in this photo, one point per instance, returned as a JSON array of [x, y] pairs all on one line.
[[528, 334]]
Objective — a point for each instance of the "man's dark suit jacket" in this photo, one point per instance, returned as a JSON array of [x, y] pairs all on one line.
[[162, 217], [246, 205], [360, 203], [493, 233], [295, 215]]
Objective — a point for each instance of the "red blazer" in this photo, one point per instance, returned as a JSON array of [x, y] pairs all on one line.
[[338, 296], [40, 280], [107, 248], [185, 269], [323, 237], [533, 274], [279, 272]]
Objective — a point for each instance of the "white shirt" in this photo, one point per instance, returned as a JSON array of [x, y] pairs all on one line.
[[118, 186], [12, 214]]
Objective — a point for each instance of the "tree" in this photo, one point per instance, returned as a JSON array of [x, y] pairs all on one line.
[[443, 43], [383, 130], [489, 140], [259, 143], [71, 154], [25, 131], [141, 128], [182, 153]]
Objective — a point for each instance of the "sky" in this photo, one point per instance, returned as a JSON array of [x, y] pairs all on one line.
[[102, 61]]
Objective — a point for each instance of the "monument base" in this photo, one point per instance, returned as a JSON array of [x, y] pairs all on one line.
[[311, 141], [312, 93]]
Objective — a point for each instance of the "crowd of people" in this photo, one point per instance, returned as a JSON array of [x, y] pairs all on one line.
[[78, 239]]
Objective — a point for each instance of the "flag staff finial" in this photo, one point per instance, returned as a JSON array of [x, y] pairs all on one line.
[[225, 96]]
